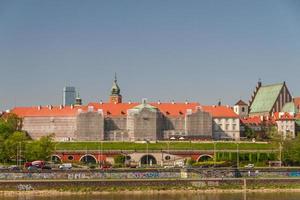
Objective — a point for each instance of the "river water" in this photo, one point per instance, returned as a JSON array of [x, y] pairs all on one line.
[[182, 196]]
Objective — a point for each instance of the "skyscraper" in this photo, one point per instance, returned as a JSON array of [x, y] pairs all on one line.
[[69, 96]]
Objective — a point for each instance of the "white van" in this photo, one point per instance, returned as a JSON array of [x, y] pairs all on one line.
[[65, 166]]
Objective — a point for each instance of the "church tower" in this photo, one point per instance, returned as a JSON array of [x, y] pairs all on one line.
[[115, 96]]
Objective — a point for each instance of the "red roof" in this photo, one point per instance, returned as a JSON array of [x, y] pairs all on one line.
[[47, 111], [252, 120], [283, 116], [220, 111], [109, 109], [297, 102]]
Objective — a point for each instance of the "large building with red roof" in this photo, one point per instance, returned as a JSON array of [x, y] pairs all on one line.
[[119, 121]]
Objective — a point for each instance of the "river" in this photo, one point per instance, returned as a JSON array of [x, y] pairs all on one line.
[[182, 196]]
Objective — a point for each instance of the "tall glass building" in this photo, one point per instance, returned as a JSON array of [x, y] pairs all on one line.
[[69, 96]]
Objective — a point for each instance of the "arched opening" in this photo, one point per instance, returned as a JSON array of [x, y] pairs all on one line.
[[204, 158], [148, 160], [56, 159], [88, 159]]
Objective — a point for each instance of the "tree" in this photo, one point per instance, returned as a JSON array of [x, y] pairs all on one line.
[[119, 159], [41, 149], [291, 151], [9, 124], [15, 144]]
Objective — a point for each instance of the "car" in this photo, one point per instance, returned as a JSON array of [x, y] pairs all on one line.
[[2, 167], [46, 167], [33, 168], [14, 168], [65, 166], [249, 166]]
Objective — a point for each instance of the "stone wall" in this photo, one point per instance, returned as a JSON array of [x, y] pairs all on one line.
[[198, 124], [89, 126], [62, 127]]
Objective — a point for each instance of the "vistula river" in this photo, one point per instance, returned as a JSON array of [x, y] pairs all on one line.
[[181, 196]]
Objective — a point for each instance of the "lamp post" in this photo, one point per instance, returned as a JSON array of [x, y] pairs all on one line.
[[237, 155]]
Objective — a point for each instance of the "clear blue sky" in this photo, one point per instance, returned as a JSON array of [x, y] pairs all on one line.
[[162, 50]]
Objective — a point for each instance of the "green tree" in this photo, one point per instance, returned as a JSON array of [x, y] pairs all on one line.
[[15, 144], [119, 159], [41, 149], [9, 124], [291, 151]]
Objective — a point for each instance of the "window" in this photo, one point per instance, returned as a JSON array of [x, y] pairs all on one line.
[[70, 158], [243, 109], [227, 127], [233, 127]]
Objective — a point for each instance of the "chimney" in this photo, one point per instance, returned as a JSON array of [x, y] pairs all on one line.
[[72, 106], [90, 108], [39, 107], [50, 107], [186, 102], [61, 107], [158, 102], [173, 102], [129, 102], [101, 102]]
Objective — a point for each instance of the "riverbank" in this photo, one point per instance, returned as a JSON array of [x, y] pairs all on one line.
[[142, 192]]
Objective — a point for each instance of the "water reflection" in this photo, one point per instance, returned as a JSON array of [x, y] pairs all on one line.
[[176, 196]]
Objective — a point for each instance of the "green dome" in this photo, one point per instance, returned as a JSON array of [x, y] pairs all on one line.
[[115, 89], [290, 107], [146, 106]]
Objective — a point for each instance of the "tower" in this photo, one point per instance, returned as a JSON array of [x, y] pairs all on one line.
[[115, 96], [78, 100], [69, 96]]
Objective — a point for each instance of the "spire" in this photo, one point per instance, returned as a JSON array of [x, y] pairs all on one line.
[[115, 89], [78, 100], [115, 95]]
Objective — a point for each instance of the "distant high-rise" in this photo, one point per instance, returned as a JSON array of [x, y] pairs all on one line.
[[69, 96]]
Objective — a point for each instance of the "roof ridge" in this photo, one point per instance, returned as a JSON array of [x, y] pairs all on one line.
[[275, 84]]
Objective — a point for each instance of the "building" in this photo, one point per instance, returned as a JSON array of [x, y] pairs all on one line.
[[226, 123], [268, 99], [69, 96], [286, 125], [118, 121], [241, 108]]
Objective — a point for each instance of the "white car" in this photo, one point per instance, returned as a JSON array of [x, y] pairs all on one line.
[[249, 166], [65, 166]]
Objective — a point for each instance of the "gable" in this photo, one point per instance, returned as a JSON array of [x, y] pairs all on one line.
[[265, 98]]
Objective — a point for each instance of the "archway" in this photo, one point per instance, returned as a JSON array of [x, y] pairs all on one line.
[[88, 159], [56, 159], [148, 160], [205, 157]]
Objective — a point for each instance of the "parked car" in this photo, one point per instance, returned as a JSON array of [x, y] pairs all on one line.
[[46, 167], [38, 163], [249, 166], [14, 168], [33, 168], [65, 166]]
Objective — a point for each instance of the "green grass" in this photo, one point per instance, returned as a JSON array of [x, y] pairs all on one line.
[[162, 146]]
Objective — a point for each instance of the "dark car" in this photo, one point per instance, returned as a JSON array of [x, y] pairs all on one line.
[[33, 168], [46, 167], [14, 168]]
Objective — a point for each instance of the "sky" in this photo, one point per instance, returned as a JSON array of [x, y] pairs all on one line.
[[199, 51]]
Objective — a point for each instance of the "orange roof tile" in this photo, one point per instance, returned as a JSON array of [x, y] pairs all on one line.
[[252, 120], [109, 109], [45, 111], [220, 111]]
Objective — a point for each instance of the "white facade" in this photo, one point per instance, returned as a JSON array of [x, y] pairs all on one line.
[[286, 128], [226, 128]]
